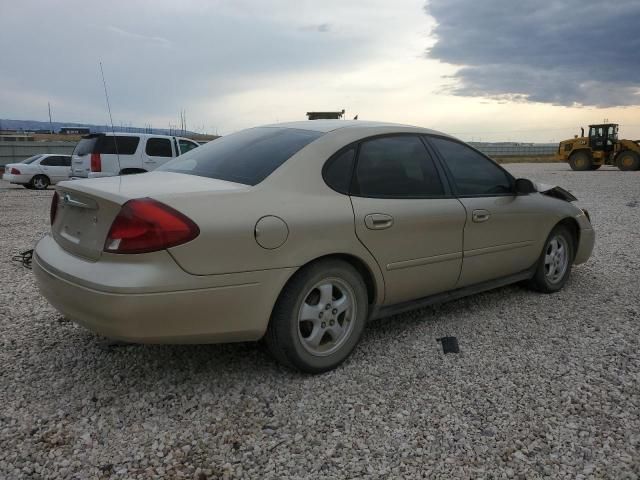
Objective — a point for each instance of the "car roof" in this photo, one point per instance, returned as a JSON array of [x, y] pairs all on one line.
[[131, 134], [331, 125]]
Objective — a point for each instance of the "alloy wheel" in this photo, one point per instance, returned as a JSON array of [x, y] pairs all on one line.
[[556, 259], [326, 317]]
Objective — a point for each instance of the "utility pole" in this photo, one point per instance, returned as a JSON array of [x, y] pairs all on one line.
[[50, 122]]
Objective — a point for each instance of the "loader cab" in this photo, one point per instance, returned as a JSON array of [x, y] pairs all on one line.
[[603, 137]]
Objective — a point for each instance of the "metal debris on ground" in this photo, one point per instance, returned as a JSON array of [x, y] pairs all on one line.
[[24, 258], [449, 344]]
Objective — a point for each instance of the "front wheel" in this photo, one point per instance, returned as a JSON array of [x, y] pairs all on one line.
[[580, 161], [319, 317], [40, 182], [554, 264]]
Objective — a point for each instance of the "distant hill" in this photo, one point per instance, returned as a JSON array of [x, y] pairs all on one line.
[[35, 125]]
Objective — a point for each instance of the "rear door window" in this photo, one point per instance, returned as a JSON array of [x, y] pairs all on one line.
[[396, 166], [49, 162], [247, 157], [61, 161], [159, 147]]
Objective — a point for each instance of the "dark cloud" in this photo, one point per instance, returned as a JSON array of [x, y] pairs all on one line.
[[569, 52]]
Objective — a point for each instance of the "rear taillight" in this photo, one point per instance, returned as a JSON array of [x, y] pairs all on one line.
[[96, 162], [15, 171], [145, 225], [53, 210]]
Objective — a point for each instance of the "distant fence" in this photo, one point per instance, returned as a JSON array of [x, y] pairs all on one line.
[[11, 152], [515, 149]]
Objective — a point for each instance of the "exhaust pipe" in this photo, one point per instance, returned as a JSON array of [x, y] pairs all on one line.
[[582, 130]]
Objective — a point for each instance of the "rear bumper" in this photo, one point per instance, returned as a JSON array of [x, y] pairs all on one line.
[[155, 301], [20, 179]]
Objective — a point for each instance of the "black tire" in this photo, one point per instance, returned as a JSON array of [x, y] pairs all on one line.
[[542, 281], [28, 186], [285, 335], [595, 167], [580, 161], [40, 182], [628, 161]]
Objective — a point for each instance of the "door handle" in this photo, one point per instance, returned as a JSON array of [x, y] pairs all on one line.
[[378, 221], [480, 216]]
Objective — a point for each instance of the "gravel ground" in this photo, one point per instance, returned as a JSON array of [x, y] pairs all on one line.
[[544, 386]]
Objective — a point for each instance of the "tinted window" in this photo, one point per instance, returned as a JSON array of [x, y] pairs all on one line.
[[398, 166], [85, 146], [60, 161], [121, 145], [185, 146], [337, 173], [49, 161], [159, 147], [248, 156], [473, 173]]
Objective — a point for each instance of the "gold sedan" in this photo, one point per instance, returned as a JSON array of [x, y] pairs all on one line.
[[300, 233]]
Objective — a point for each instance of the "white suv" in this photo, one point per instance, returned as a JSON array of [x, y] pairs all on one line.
[[109, 154]]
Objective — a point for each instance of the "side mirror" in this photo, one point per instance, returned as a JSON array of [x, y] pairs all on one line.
[[524, 186]]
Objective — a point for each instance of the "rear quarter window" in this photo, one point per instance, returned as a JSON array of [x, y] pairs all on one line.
[[247, 157], [120, 145]]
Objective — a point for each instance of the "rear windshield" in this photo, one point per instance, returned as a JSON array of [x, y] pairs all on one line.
[[31, 159], [107, 144], [247, 157]]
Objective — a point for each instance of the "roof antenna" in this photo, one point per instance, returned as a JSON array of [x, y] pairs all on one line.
[[115, 142]]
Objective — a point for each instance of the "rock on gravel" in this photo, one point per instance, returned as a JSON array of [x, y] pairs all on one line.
[[544, 386]]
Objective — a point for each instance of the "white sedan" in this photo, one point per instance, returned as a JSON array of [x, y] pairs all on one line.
[[39, 171]]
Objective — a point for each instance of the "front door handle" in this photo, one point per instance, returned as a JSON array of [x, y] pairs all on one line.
[[480, 216], [378, 221]]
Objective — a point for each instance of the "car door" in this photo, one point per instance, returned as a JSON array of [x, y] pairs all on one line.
[[64, 163], [49, 166], [501, 228], [406, 217], [186, 145], [60, 168], [158, 151]]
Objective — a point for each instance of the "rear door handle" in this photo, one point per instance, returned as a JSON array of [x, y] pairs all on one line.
[[378, 221], [480, 216]]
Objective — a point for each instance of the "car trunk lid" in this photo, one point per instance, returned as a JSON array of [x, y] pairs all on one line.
[[87, 208]]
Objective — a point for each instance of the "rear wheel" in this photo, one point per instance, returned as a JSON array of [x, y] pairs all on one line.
[[628, 161], [319, 317], [554, 264], [595, 167], [40, 182], [581, 161]]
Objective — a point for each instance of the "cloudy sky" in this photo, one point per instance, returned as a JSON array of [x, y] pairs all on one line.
[[532, 70]]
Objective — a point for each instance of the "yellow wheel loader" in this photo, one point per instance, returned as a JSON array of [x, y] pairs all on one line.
[[600, 147]]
